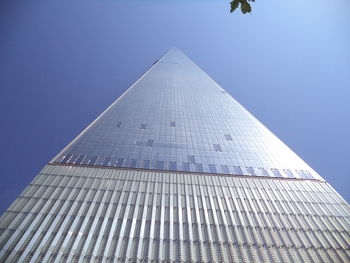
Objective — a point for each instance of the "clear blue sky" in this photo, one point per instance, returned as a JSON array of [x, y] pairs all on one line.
[[63, 62]]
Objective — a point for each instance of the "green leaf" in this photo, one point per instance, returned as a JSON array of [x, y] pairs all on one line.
[[234, 5], [245, 7]]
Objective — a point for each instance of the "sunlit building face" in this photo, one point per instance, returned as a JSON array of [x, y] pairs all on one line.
[[176, 170]]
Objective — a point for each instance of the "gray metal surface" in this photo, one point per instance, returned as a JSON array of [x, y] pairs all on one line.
[[82, 214]]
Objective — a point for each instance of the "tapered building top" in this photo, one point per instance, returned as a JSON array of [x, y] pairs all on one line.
[[175, 117], [176, 170]]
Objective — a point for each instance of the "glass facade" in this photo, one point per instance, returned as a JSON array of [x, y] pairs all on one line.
[[177, 118], [176, 171]]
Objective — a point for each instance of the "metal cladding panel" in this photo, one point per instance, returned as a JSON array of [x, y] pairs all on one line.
[[89, 214], [175, 117]]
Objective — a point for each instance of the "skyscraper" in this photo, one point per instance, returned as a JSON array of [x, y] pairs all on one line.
[[176, 170]]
